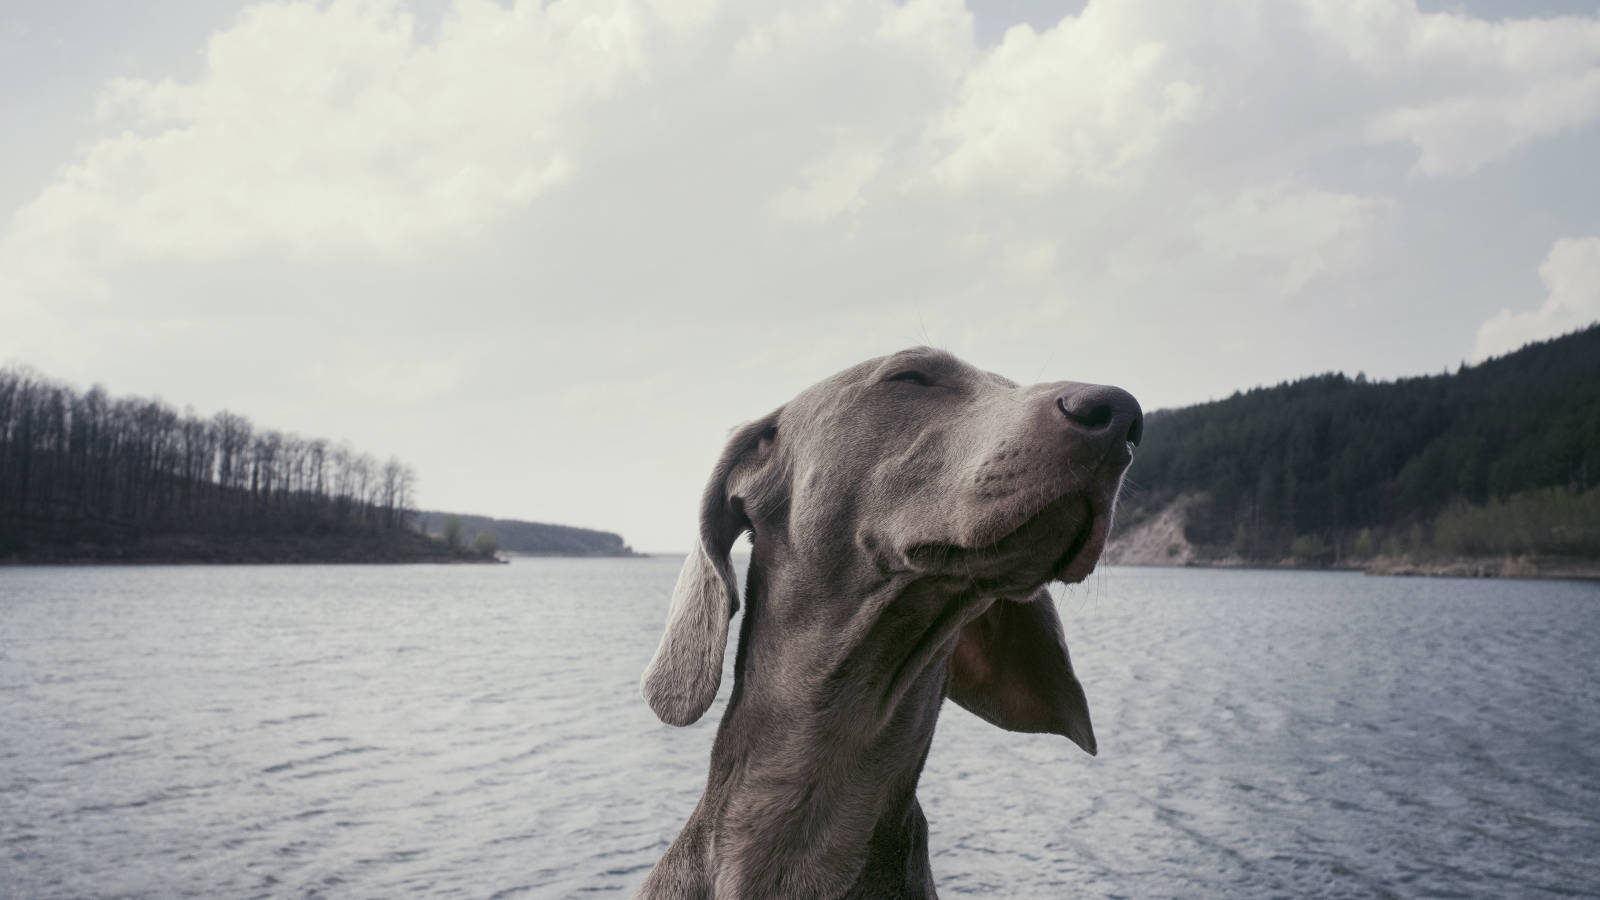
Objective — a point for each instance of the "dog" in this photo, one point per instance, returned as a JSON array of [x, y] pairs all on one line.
[[905, 516]]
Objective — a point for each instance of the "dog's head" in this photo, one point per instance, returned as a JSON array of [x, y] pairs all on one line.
[[919, 466]]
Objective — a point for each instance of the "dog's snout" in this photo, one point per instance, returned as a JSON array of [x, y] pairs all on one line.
[[1103, 412]]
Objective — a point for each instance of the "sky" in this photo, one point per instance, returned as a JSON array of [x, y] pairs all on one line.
[[548, 254]]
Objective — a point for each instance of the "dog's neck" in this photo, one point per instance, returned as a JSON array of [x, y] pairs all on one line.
[[815, 766]]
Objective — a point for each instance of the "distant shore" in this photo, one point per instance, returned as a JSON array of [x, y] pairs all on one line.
[[1459, 567], [1486, 567], [1163, 540], [190, 549], [551, 554]]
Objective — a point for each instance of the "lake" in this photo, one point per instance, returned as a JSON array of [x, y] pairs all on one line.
[[476, 731]]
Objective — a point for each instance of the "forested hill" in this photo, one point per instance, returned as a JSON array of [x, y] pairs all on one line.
[[86, 477], [1497, 459], [515, 536]]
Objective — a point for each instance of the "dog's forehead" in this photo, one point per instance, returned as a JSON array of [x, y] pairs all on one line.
[[936, 362], [930, 361], [860, 384]]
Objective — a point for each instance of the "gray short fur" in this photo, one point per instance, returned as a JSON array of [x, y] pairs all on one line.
[[906, 515]]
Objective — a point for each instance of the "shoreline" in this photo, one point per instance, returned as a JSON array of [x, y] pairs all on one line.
[[1405, 567], [192, 549]]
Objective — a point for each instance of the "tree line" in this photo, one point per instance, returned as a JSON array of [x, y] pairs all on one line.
[[518, 536], [1332, 466], [87, 466]]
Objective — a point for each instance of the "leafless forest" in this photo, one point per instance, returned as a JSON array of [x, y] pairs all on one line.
[[90, 467]]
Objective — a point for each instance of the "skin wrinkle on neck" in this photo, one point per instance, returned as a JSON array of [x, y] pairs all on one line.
[[786, 770]]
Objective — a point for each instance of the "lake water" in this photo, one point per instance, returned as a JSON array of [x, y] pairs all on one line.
[[476, 732]]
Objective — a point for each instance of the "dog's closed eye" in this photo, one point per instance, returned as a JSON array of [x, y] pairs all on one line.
[[912, 376]]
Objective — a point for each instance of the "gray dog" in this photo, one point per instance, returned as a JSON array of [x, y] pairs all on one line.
[[905, 516]]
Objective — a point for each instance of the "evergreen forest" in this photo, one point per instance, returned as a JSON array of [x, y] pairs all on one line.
[[1499, 458]]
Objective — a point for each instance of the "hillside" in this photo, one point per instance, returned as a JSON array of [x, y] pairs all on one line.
[[86, 477], [1494, 462], [534, 538]]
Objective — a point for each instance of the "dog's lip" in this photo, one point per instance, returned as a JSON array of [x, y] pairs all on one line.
[[937, 554], [1081, 558], [1082, 550], [1084, 553]]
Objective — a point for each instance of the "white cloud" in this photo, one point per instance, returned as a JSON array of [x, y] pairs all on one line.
[[1464, 91], [1460, 135], [1297, 234], [1571, 275], [831, 186], [317, 130], [1082, 102], [330, 130]]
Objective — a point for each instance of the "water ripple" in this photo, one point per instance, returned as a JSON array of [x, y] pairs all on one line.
[[331, 731]]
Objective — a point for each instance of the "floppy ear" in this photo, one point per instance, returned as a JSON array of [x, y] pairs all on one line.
[[683, 676], [1011, 668]]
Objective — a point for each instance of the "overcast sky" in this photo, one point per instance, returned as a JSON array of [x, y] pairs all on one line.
[[549, 254]]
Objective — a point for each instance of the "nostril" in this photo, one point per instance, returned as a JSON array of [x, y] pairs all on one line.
[[1101, 413], [1096, 417]]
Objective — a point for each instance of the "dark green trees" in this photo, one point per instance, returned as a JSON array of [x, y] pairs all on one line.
[[1304, 468]]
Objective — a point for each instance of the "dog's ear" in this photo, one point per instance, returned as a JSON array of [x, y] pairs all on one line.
[[1011, 668], [683, 676]]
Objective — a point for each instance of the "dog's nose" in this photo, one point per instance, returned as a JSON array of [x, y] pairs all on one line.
[[1103, 412]]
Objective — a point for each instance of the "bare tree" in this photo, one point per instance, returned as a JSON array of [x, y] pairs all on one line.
[[70, 458]]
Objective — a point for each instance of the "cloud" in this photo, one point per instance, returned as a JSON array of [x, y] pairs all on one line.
[[1459, 135], [831, 186], [316, 130], [1571, 276], [326, 131], [1296, 234], [1463, 91], [1085, 102]]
